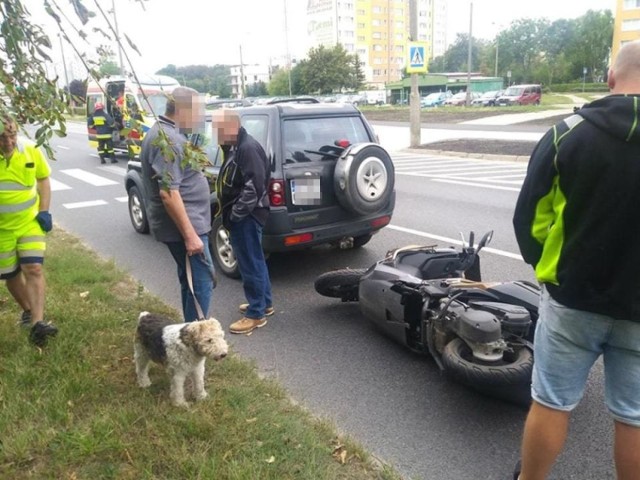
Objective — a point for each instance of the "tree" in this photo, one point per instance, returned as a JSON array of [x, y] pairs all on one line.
[[257, 89], [204, 78], [327, 70], [279, 84], [78, 90], [591, 44], [357, 74]]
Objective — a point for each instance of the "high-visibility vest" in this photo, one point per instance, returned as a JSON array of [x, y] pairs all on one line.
[[19, 175]]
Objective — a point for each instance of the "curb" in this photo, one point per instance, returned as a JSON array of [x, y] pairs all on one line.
[[478, 156]]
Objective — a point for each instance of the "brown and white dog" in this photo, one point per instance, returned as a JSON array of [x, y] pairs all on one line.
[[181, 347]]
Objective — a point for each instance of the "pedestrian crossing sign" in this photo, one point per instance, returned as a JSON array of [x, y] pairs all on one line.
[[417, 61]]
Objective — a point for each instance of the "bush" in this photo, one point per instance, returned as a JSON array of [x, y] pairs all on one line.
[[577, 87]]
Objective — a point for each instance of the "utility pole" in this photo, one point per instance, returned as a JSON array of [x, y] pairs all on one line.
[[115, 24], [242, 91], [414, 98], [468, 102], [497, 50], [64, 62], [286, 41]]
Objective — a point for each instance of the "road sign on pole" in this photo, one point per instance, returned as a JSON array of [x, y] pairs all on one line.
[[417, 61]]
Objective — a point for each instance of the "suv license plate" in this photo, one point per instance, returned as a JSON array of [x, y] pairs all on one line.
[[306, 191]]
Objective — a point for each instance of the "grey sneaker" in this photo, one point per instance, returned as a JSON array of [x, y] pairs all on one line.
[[41, 331], [267, 311]]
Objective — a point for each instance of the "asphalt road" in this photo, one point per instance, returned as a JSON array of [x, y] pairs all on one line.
[[327, 356]]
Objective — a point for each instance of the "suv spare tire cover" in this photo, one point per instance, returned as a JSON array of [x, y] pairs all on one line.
[[364, 178]]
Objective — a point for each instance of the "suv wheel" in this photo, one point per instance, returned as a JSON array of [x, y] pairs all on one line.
[[364, 185], [221, 250], [137, 212]]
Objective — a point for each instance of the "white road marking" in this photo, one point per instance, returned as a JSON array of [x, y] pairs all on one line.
[[453, 241], [91, 203], [90, 178], [471, 184], [57, 186], [114, 169], [63, 147], [94, 155], [122, 199]]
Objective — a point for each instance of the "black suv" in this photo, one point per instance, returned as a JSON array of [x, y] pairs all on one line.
[[330, 180]]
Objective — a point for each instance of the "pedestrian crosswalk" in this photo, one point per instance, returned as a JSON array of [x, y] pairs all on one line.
[[501, 175]]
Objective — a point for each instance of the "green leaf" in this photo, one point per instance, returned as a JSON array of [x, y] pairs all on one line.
[[131, 44], [82, 12]]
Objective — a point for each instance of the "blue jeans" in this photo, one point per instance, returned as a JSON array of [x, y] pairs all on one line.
[[568, 342], [246, 240], [203, 274]]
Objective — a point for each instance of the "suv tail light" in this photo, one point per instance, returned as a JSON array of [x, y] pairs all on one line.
[[381, 221], [276, 193]]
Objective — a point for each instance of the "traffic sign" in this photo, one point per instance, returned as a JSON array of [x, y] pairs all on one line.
[[417, 61]]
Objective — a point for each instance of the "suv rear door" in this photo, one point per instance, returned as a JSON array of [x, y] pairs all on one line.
[[310, 148]]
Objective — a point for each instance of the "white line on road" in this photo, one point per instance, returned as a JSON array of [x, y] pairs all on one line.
[[440, 238], [63, 147], [471, 184], [92, 203], [90, 178], [57, 186], [114, 169], [122, 199]]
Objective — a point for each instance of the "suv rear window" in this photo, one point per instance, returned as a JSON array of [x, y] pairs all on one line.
[[312, 134]]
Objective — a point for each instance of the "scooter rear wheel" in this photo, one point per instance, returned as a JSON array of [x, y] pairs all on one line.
[[341, 284], [509, 379]]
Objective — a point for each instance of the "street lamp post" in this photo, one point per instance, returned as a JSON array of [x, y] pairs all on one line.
[[468, 101], [497, 50]]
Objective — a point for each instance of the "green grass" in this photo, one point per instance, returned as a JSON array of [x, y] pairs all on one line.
[[73, 410]]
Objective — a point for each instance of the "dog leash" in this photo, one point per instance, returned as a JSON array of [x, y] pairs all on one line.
[[190, 282]]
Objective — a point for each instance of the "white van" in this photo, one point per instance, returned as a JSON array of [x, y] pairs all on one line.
[[134, 106]]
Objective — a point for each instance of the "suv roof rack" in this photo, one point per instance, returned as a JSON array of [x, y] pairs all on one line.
[[293, 100]]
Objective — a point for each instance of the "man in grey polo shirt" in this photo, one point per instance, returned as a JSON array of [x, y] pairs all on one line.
[[178, 198]]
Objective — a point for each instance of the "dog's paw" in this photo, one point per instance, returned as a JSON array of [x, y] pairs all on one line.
[[201, 395], [180, 404], [144, 382]]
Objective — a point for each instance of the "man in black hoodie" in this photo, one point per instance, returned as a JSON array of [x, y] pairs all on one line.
[[577, 224], [242, 188]]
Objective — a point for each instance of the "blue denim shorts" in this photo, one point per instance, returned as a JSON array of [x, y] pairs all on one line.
[[568, 342]]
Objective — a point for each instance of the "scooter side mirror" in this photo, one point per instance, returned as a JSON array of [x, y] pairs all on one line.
[[485, 240]]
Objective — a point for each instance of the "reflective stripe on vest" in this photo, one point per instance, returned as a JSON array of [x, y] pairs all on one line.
[[18, 207], [13, 187]]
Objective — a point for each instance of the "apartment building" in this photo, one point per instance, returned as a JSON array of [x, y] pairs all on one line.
[[242, 77], [627, 25], [377, 30]]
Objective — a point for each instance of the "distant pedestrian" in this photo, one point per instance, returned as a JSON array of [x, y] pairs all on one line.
[[577, 224], [178, 204], [25, 195], [242, 188], [104, 125]]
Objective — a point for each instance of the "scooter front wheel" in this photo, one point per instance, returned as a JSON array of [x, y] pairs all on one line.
[[341, 284]]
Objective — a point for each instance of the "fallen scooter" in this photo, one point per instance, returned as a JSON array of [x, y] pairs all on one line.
[[433, 301]]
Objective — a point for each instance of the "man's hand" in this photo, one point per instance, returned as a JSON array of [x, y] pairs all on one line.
[[45, 220], [194, 245]]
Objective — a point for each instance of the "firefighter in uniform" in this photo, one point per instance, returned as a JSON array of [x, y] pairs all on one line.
[[104, 125], [25, 195]]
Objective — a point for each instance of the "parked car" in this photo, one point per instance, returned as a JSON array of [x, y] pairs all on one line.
[[331, 183], [459, 99], [521, 95], [487, 99], [434, 99]]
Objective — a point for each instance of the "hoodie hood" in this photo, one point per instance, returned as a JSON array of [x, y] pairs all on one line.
[[619, 115]]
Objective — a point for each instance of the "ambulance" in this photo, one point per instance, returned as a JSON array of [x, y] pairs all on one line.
[[125, 101]]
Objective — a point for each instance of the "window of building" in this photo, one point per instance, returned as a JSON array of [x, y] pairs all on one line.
[[362, 51], [348, 34], [349, 47], [376, 35], [422, 13], [399, 36], [398, 11], [361, 38], [361, 12], [377, 60], [375, 22], [399, 48], [376, 9], [377, 47], [377, 71], [399, 24], [631, 4], [631, 25], [361, 25]]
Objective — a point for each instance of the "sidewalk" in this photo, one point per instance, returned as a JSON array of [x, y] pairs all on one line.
[[397, 138]]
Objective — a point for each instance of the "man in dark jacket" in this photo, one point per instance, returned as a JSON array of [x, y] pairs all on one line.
[[104, 125], [577, 224], [242, 189]]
